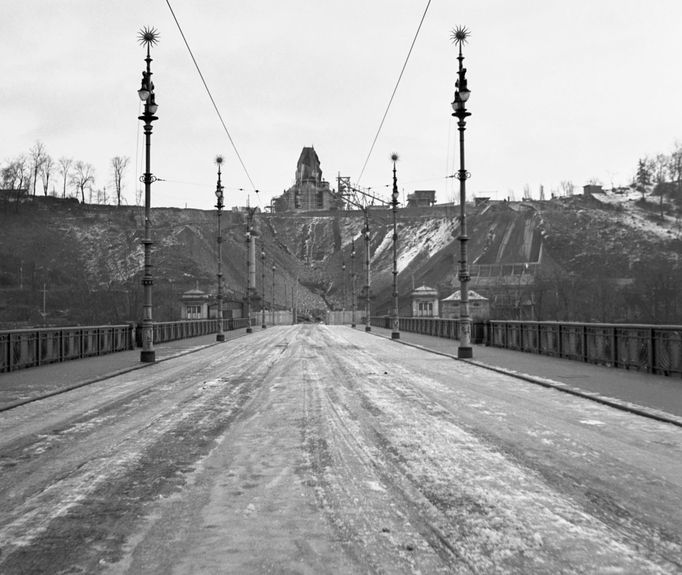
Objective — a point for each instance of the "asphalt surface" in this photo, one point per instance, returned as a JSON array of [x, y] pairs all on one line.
[[314, 449], [654, 395], [26, 385]]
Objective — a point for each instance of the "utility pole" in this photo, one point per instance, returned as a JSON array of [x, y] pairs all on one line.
[[360, 199]]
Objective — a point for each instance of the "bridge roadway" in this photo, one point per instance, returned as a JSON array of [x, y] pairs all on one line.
[[315, 449]]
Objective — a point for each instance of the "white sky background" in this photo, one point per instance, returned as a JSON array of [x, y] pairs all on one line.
[[568, 90]]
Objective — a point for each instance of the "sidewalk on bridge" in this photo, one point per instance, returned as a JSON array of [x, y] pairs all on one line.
[[654, 395], [26, 385]]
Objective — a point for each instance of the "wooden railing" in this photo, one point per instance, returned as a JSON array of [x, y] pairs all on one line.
[[24, 348], [650, 348]]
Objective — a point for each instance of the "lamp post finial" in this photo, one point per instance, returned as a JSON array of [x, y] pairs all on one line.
[[148, 36]]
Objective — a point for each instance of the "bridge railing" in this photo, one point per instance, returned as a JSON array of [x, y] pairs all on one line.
[[651, 348], [436, 326], [24, 348], [173, 330], [32, 347]]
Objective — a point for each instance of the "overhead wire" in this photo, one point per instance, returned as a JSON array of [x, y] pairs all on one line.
[[215, 106], [395, 89]]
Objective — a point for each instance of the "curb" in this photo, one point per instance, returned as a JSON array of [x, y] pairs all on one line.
[[108, 376], [559, 386]]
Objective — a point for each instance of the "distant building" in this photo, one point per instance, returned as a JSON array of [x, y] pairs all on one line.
[[424, 302], [479, 306], [421, 199], [309, 192], [194, 304], [197, 304], [590, 189]]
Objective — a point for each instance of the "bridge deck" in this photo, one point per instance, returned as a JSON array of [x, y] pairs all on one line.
[[655, 394], [319, 449]]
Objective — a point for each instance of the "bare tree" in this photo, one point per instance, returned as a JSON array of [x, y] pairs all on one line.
[[675, 168], [14, 176], [567, 187], [37, 154], [102, 196], [118, 166], [83, 175], [660, 167], [64, 169], [46, 169]]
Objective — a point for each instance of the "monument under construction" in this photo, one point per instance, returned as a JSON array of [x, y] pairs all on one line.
[[309, 192]]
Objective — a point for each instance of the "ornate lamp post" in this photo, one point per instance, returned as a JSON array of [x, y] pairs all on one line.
[[343, 291], [250, 263], [262, 283], [273, 293], [368, 272], [395, 334], [147, 37], [352, 272], [219, 206], [459, 37]]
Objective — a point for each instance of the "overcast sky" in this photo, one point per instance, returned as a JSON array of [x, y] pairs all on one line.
[[570, 90]]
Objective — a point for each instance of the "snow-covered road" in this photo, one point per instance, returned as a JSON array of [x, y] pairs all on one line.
[[314, 449]]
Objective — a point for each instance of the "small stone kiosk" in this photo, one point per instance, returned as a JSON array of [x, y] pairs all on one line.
[[194, 304], [424, 302], [479, 306]]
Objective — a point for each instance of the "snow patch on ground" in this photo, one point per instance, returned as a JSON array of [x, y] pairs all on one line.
[[424, 240], [634, 216]]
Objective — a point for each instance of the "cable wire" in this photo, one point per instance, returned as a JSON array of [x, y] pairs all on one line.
[[234, 147], [395, 89]]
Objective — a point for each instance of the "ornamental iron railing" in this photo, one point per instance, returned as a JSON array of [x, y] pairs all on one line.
[[33, 347], [25, 348], [651, 348]]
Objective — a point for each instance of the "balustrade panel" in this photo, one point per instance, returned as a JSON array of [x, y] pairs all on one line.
[[668, 351], [32, 347], [632, 347]]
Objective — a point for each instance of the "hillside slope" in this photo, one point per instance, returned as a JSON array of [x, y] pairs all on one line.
[[89, 259]]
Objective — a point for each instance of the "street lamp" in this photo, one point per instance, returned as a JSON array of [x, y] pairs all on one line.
[[219, 206], [343, 292], [368, 272], [352, 271], [262, 283], [395, 334], [459, 37], [147, 37], [273, 294], [249, 239]]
